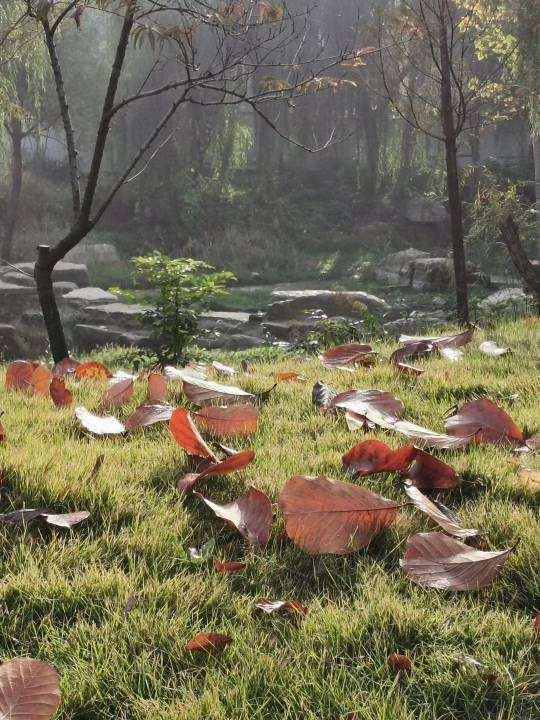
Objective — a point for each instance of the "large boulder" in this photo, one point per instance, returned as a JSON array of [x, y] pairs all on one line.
[[63, 272], [89, 337], [421, 209], [398, 268], [509, 302], [432, 273], [117, 314], [299, 303], [96, 254], [238, 341], [16, 299], [223, 322], [9, 344], [83, 297], [32, 335]]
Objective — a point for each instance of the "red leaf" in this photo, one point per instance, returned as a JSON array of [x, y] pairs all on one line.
[[146, 415], [536, 626], [67, 366], [118, 394], [328, 516], [229, 568], [439, 513], [205, 392], [399, 663], [438, 561], [232, 421], [208, 643], [29, 690], [410, 370], [430, 473], [157, 389], [486, 421], [411, 351], [99, 425], [374, 456], [187, 436], [234, 463], [18, 375], [60, 395], [251, 515], [289, 377], [341, 357], [40, 380], [92, 371], [2, 433], [292, 607]]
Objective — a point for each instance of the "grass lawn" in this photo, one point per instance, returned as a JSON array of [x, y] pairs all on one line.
[[64, 592]]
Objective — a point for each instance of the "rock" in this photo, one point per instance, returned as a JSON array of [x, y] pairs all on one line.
[[290, 330], [63, 271], [301, 302], [223, 321], [32, 334], [17, 278], [61, 288], [512, 301], [88, 337], [16, 299], [421, 209], [116, 313], [95, 254], [398, 268], [433, 274], [9, 346], [234, 342], [82, 297]]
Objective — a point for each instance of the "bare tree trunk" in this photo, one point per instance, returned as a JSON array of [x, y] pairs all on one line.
[[405, 162], [528, 272], [16, 135], [49, 308], [536, 155]]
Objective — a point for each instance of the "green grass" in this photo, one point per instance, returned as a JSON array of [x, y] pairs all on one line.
[[63, 593]]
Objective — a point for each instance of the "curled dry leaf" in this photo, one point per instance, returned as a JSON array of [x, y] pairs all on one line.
[[197, 371], [427, 438], [208, 643], [328, 516], [40, 380], [345, 357], [430, 473], [440, 514], [99, 425], [233, 463], [66, 520], [205, 392], [292, 607], [399, 663], [229, 568], [486, 422], [251, 515], [358, 422], [92, 371], [29, 690], [231, 421], [60, 395], [223, 370], [322, 395], [411, 351], [17, 518], [146, 415], [65, 367], [119, 393], [377, 406], [289, 377], [438, 561], [187, 436], [488, 347], [462, 338], [18, 375], [157, 389], [374, 456], [410, 370]]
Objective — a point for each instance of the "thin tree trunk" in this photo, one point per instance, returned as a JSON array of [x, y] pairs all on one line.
[[536, 156], [16, 136], [408, 138], [528, 272], [47, 301]]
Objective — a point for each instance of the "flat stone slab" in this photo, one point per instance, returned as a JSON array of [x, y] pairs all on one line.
[[88, 337], [82, 297], [70, 272], [117, 313], [239, 317], [297, 302]]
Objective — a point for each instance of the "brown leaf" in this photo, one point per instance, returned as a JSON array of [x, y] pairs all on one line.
[[2, 433], [146, 415], [438, 561], [430, 473], [486, 422], [358, 422], [208, 643], [536, 626], [374, 456], [462, 338], [17, 518], [187, 436], [229, 568], [377, 406], [399, 663], [410, 370], [440, 514], [18, 375], [234, 463], [488, 347], [223, 370], [204, 392], [231, 421], [131, 604], [60, 395], [157, 389], [39, 381], [411, 351], [250, 514], [328, 516], [65, 367], [292, 607], [289, 377], [118, 394], [92, 371], [427, 438], [29, 690], [99, 425], [345, 357]]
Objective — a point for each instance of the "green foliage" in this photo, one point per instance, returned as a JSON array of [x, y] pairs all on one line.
[[183, 288]]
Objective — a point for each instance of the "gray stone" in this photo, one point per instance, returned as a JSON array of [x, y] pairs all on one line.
[[433, 274], [82, 297], [63, 271], [17, 278], [32, 335], [117, 313], [301, 302], [223, 321], [9, 345], [88, 337], [512, 301], [422, 209], [15, 299], [289, 329], [95, 254], [398, 268], [61, 288]]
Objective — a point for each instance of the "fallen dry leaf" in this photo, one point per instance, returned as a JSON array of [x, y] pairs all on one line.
[[92, 371], [251, 515], [374, 456], [157, 389], [29, 690], [486, 422], [410, 370], [230, 421], [66, 520], [345, 357], [322, 395], [60, 395], [289, 377], [99, 425], [208, 643], [119, 393], [292, 607], [399, 663], [233, 463], [440, 514], [229, 568], [427, 438], [17, 518], [429, 473], [65, 367], [39, 381], [439, 561], [536, 626], [377, 406], [223, 370], [488, 347], [146, 415], [411, 351], [197, 371], [462, 338], [328, 516], [187, 436], [204, 392], [18, 375]]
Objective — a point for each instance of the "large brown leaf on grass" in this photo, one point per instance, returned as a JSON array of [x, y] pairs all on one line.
[[458, 340], [18, 375], [187, 436], [328, 516], [374, 456], [119, 393], [208, 643], [251, 515], [234, 463], [345, 357], [157, 389], [146, 415], [411, 351], [430, 473], [377, 406], [438, 561], [60, 395], [29, 690], [65, 367], [231, 421], [425, 437], [205, 392], [99, 425], [92, 371], [486, 422], [439, 513], [40, 380]]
